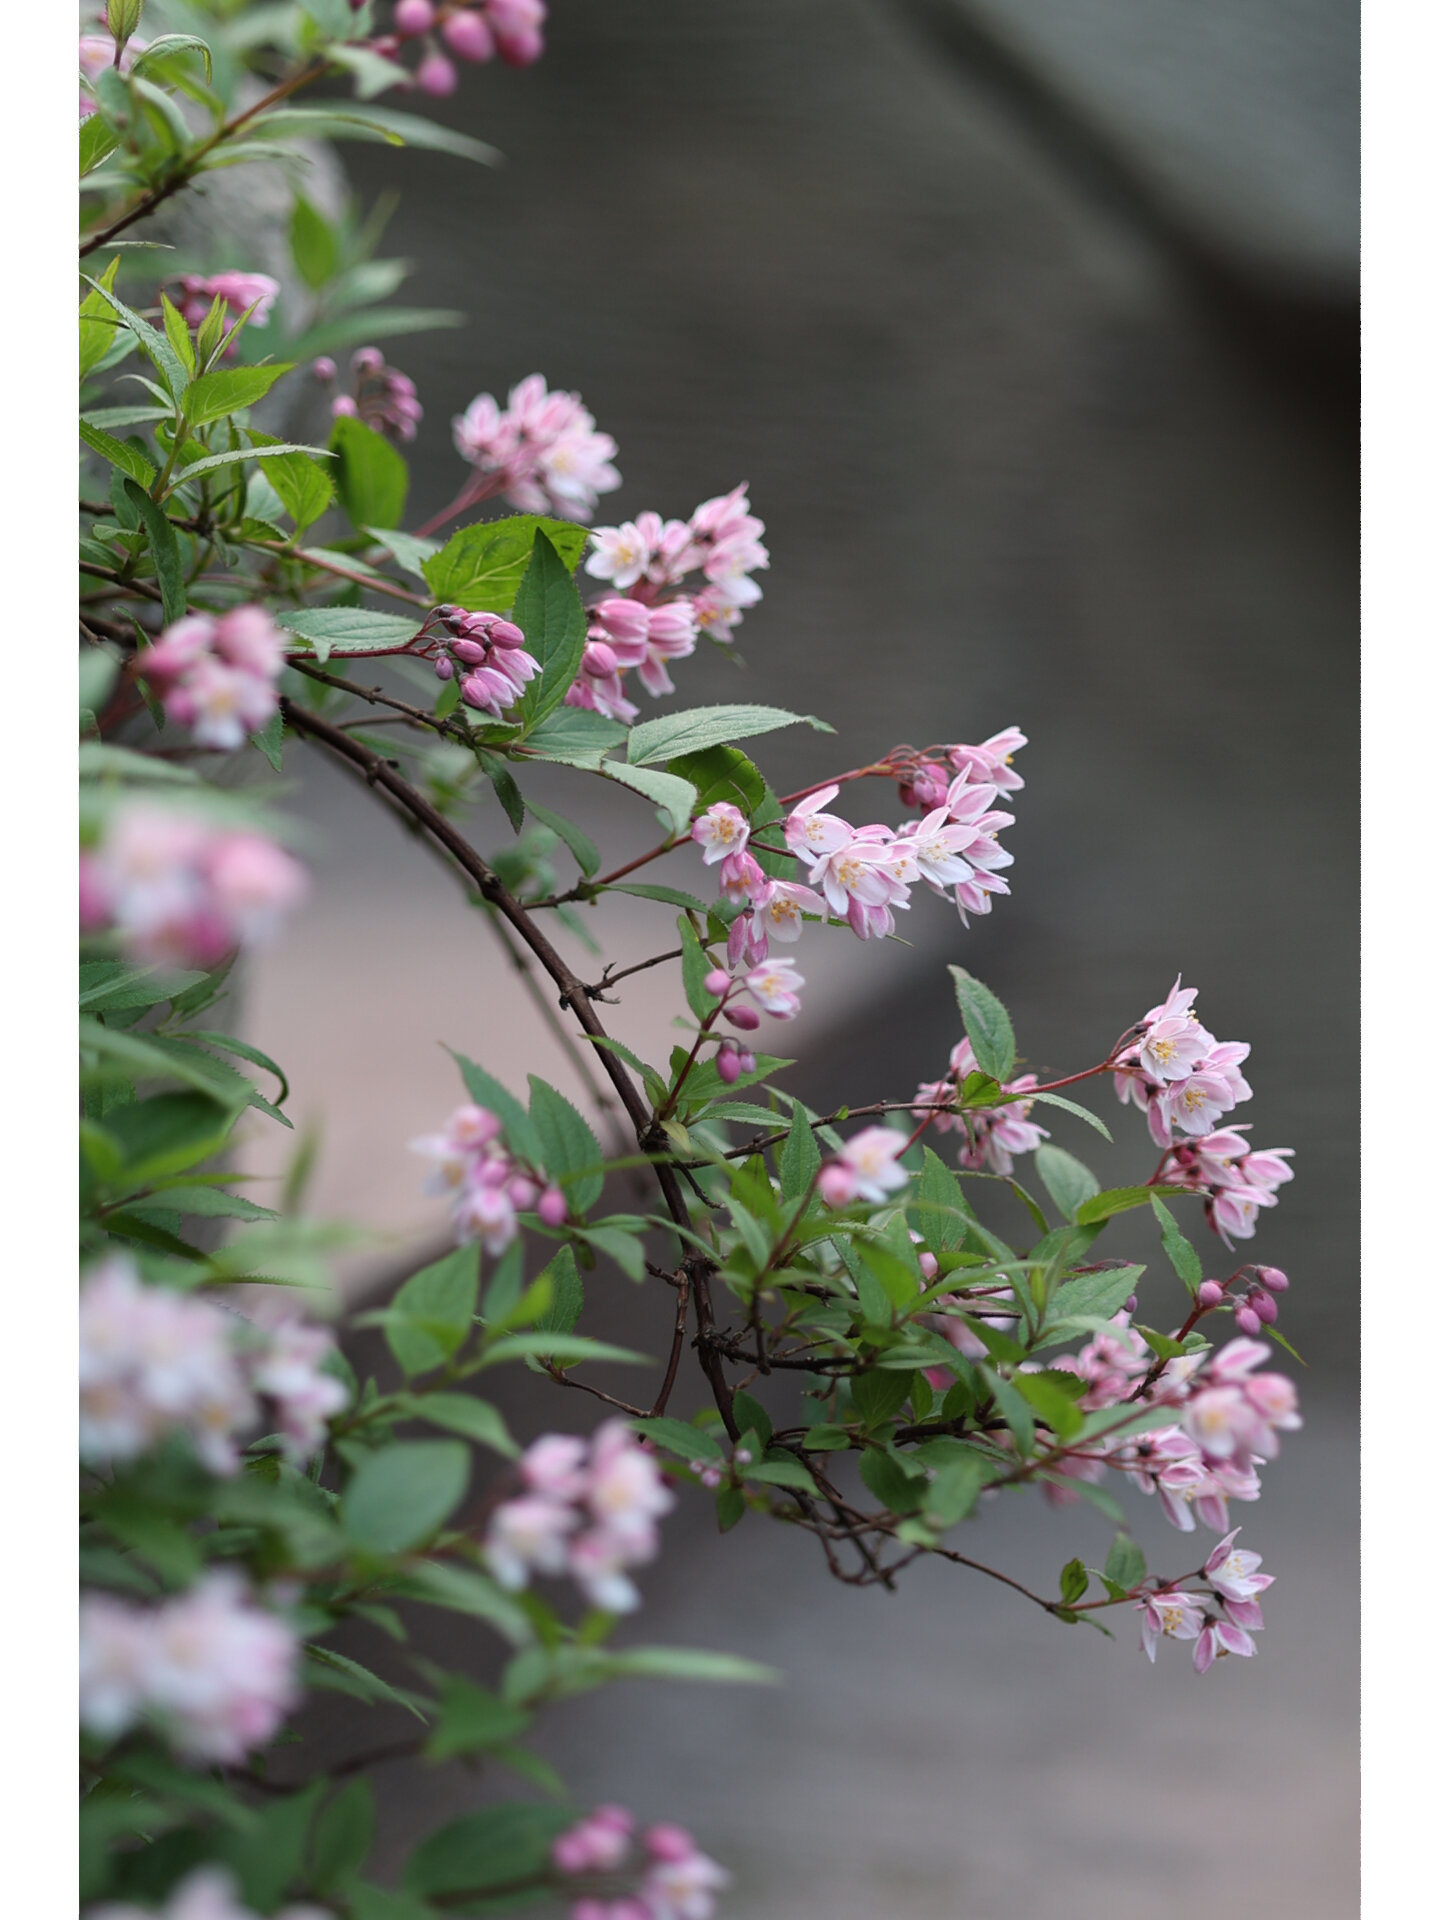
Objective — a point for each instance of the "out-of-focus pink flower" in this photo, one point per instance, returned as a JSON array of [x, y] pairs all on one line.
[[217, 674], [681, 1882], [240, 292], [436, 75], [216, 1673], [291, 1373], [626, 1492], [97, 51], [528, 1536], [383, 397], [867, 1167], [597, 1844], [554, 1466], [992, 1135], [154, 1362]]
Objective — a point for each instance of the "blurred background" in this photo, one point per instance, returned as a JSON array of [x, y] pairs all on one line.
[[1032, 326]]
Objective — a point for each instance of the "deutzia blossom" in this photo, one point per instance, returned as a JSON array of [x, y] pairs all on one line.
[[720, 830], [290, 1373], [1169, 1614], [217, 674], [542, 450], [776, 985], [867, 1167], [681, 1882]]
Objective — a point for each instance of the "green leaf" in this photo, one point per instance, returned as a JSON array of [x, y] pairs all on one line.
[[1182, 1255], [313, 244], [562, 1348], [699, 727], [750, 1414], [695, 964], [570, 1153], [1071, 1106], [688, 1663], [373, 124], [1099, 1295], [98, 140], [800, 1159], [341, 1836], [371, 478], [955, 1489], [1068, 1181], [373, 72], [228, 390], [519, 1130], [269, 1853], [165, 550], [463, 1413], [1117, 1200], [481, 567], [410, 552], [878, 1396], [97, 323], [330, 630], [1125, 1563], [404, 1494], [987, 1025], [503, 781], [1074, 1582], [166, 47], [1013, 1409], [549, 612], [119, 453], [497, 1847], [721, 773], [439, 1583], [680, 1438], [889, 1482], [781, 1471], [473, 1720], [939, 1209], [674, 799], [667, 896], [178, 334], [574, 737], [304, 487], [587, 854], [432, 1314], [567, 1295], [271, 739], [1052, 1395], [154, 345]]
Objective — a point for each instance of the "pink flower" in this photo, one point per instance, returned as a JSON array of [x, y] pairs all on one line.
[[619, 554], [992, 759], [681, 1882], [720, 830], [1169, 1614], [993, 1135], [779, 912], [528, 1535], [776, 985], [543, 450], [869, 1168], [554, 1467], [597, 1844], [627, 1491], [1221, 1636], [290, 1372], [1231, 1571], [215, 1672], [155, 1362], [239, 291], [218, 675]]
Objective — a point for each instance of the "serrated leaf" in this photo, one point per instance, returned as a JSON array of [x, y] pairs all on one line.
[[587, 854], [570, 1151], [549, 612], [228, 390], [699, 727], [402, 1495], [574, 737], [1125, 1563], [1072, 1106], [987, 1025], [482, 566], [154, 345], [463, 1413], [486, 1091], [380, 124], [328, 630], [680, 1438], [371, 478], [1181, 1254], [164, 550], [118, 452], [431, 1316], [1118, 1200], [1068, 1181], [799, 1159], [673, 798]]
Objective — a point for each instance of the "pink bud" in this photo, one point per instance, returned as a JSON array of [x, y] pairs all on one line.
[[1264, 1306], [551, 1207], [367, 360], [1272, 1279], [1247, 1320], [743, 1017], [520, 47], [836, 1184], [436, 76], [505, 633], [743, 1456], [929, 1265], [1209, 1294], [414, 16], [727, 1064], [599, 660], [469, 36], [673, 1843], [522, 1191], [1132, 1303], [470, 651], [717, 981], [444, 666], [708, 1473], [344, 407], [324, 368]]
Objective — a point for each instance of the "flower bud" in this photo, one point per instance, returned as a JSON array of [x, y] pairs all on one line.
[[505, 633], [470, 651], [436, 76], [929, 1265], [743, 1017], [717, 981], [667, 1842], [414, 16], [727, 1064], [836, 1184], [469, 36], [444, 666], [706, 1471], [1132, 1303], [367, 360], [1272, 1279], [599, 660], [1209, 1294], [1263, 1305], [1247, 1320], [324, 368], [344, 407], [551, 1207]]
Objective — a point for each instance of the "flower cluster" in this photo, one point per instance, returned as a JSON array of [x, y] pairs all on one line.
[[380, 395], [588, 1510], [1236, 1179], [155, 1362], [489, 655], [866, 873], [472, 30], [541, 450], [1221, 1620], [243, 293], [678, 1882], [648, 559], [867, 1167], [217, 673], [774, 985], [489, 1188], [215, 1673], [624, 634], [180, 892], [209, 1893], [991, 1136]]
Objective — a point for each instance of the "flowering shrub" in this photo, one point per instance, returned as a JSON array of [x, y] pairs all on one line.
[[243, 1494]]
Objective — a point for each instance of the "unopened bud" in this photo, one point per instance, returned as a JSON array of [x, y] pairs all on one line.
[[470, 651], [324, 368], [599, 660], [929, 1265], [717, 981], [1263, 1305], [505, 633], [444, 666], [343, 407], [743, 1456], [743, 1017], [469, 36], [414, 16], [436, 76], [1209, 1294], [367, 360], [1132, 1303], [551, 1207], [1247, 1320], [1272, 1279], [727, 1064]]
